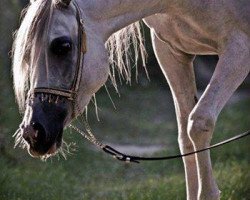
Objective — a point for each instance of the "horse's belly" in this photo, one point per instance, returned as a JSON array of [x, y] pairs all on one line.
[[181, 35]]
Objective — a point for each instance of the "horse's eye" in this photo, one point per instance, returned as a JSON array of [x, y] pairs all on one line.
[[61, 46]]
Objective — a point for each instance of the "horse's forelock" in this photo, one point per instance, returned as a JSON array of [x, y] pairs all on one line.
[[33, 21]]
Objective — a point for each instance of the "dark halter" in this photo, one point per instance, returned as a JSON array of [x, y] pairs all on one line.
[[71, 94]]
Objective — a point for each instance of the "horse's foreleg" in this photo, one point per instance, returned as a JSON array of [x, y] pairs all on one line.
[[231, 70], [178, 70]]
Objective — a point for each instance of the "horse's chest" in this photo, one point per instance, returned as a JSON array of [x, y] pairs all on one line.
[[182, 35]]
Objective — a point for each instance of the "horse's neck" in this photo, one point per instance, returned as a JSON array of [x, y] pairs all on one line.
[[113, 15]]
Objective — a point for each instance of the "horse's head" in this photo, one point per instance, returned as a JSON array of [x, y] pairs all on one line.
[[60, 61]]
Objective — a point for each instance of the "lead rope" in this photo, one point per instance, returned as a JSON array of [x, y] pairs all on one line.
[[89, 136], [129, 158]]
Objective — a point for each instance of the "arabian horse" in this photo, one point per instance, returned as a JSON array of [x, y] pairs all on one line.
[[62, 54]]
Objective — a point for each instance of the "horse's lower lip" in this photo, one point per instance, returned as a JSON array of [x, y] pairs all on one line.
[[34, 154], [52, 150]]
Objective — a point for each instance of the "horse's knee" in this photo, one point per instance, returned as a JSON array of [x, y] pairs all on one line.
[[200, 128], [185, 144]]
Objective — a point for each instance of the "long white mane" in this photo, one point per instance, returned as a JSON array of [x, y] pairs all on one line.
[[126, 47], [119, 46]]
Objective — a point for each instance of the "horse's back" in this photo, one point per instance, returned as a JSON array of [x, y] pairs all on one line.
[[241, 12], [197, 27]]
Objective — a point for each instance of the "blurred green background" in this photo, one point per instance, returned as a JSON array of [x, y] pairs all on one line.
[[143, 121]]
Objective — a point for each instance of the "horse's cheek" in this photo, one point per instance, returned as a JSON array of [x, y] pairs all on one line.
[[95, 71]]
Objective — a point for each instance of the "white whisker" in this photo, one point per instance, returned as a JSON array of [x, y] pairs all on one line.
[[86, 113], [17, 132], [96, 108], [110, 96]]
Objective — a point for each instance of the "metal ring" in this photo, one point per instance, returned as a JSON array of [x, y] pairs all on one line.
[[128, 160]]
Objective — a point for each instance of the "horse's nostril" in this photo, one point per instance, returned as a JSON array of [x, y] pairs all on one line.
[[30, 134], [39, 130], [34, 132]]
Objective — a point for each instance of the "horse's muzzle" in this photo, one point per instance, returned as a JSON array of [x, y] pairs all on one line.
[[44, 122], [41, 142]]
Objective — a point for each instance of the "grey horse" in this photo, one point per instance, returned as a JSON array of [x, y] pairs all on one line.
[[60, 61]]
